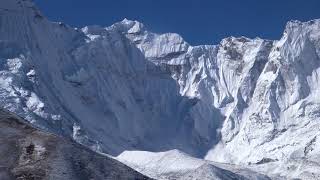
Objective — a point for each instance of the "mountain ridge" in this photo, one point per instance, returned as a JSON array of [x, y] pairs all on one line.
[[122, 87]]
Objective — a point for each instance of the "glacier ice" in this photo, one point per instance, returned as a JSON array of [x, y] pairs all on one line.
[[250, 102]]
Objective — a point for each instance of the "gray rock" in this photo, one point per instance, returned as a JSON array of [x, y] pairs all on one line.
[[30, 154]]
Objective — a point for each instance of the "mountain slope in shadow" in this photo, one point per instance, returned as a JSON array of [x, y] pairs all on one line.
[[30, 154]]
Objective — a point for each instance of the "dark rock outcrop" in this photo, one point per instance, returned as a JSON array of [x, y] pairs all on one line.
[[30, 154]]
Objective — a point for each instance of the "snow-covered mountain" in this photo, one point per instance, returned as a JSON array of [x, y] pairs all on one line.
[[250, 102]]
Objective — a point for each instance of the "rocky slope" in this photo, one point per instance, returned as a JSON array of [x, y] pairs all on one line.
[[30, 154], [245, 101]]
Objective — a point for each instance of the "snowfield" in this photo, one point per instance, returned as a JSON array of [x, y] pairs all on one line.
[[253, 103], [175, 164]]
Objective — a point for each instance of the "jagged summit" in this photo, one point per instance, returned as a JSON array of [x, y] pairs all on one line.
[[124, 26], [132, 27], [293, 23]]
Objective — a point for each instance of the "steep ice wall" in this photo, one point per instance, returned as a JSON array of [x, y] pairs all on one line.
[[96, 86], [265, 92], [281, 123], [32, 53]]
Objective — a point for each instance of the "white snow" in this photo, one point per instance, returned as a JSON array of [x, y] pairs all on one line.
[[244, 101], [178, 165]]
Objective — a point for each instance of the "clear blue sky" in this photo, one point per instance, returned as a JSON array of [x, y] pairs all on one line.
[[198, 21]]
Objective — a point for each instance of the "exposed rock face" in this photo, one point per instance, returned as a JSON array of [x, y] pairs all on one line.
[[30, 154], [244, 101]]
